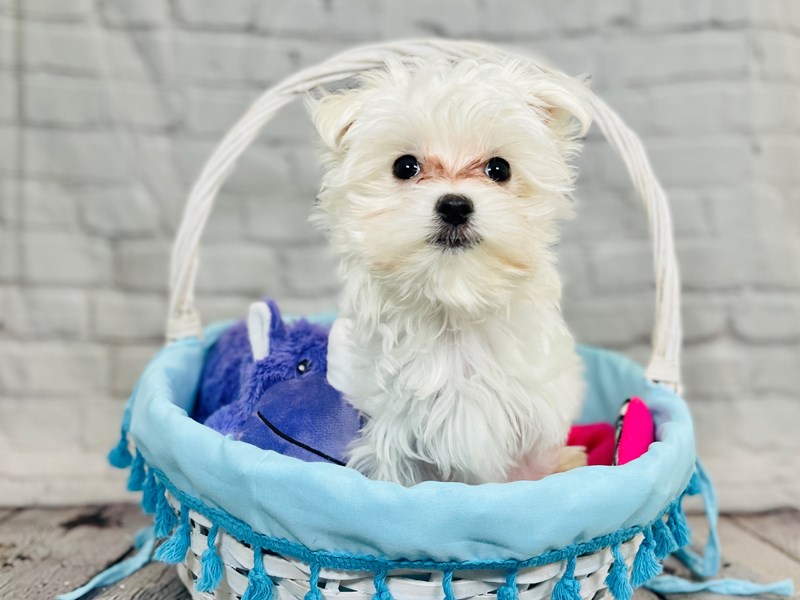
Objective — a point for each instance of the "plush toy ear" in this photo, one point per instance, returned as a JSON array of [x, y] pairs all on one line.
[[258, 329], [334, 115], [563, 101], [277, 327]]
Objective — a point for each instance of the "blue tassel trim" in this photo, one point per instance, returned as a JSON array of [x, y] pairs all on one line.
[[259, 584], [447, 585], [677, 525], [567, 588], [381, 587], [617, 578], [509, 591], [665, 543], [174, 549], [694, 488], [313, 580], [646, 565], [150, 493], [137, 474], [120, 455], [362, 562], [165, 517], [212, 567]]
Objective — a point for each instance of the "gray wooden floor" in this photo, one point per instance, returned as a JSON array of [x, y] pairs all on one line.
[[46, 551]]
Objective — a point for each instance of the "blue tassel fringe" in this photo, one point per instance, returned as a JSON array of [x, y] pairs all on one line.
[[646, 565], [120, 455], [694, 488], [447, 586], [381, 587], [174, 549], [137, 474], [165, 517], [150, 493], [617, 578], [567, 588], [211, 569], [314, 593], [509, 591], [259, 584], [665, 543], [677, 525]]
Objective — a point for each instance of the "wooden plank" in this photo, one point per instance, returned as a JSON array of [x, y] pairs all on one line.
[[643, 594], [778, 528], [45, 551], [156, 580], [744, 556], [7, 513], [741, 547]]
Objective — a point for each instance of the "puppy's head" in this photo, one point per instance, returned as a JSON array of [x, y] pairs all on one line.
[[445, 180]]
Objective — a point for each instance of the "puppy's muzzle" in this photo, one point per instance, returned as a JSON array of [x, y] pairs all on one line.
[[453, 212], [454, 209]]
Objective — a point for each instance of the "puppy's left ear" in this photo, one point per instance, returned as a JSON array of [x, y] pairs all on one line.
[[565, 103], [333, 116]]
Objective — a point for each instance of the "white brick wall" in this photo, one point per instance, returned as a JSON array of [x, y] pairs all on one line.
[[108, 110]]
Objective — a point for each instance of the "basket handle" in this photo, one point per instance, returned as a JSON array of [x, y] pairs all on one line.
[[183, 319]]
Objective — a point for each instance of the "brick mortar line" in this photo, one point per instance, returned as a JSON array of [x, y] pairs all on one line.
[[255, 86], [254, 83], [628, 24], [291, 141]]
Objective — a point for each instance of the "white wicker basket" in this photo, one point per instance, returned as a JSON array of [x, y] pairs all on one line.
[[295, 579]]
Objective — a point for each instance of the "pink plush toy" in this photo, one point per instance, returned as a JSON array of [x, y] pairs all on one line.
[[635, 431], [607, 445], [597, 438]]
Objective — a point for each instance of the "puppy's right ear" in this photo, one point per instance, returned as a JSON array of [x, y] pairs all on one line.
[[334, 115], [564, 102]]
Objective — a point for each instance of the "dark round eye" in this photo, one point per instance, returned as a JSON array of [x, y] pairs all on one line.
[[406, 167], [303, 366], [498, 169]]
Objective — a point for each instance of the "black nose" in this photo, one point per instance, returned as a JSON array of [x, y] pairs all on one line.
[[454, 209]]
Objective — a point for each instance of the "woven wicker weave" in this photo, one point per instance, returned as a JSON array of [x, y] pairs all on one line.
[[291, 577]]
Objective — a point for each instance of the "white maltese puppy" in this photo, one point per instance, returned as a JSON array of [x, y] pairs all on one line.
[[444, 185]]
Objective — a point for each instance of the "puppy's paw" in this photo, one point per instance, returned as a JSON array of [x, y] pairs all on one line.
[[571, 457]]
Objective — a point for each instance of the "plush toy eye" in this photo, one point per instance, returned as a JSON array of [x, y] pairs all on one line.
[[303, 366], [498, 169], [406, 167]]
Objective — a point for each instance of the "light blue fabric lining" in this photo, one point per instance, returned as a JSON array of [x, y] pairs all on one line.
[[347, 561], [326, 507]]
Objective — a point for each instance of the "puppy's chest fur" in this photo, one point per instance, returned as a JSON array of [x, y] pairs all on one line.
[[467, 404]]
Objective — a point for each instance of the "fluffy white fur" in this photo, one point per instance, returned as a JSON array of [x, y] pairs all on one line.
[[459, 356]]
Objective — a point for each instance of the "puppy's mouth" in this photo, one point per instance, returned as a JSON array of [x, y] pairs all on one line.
[[454, 237]]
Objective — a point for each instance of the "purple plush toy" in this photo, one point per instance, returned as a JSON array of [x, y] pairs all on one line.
[[305, 418], [265, 383]]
